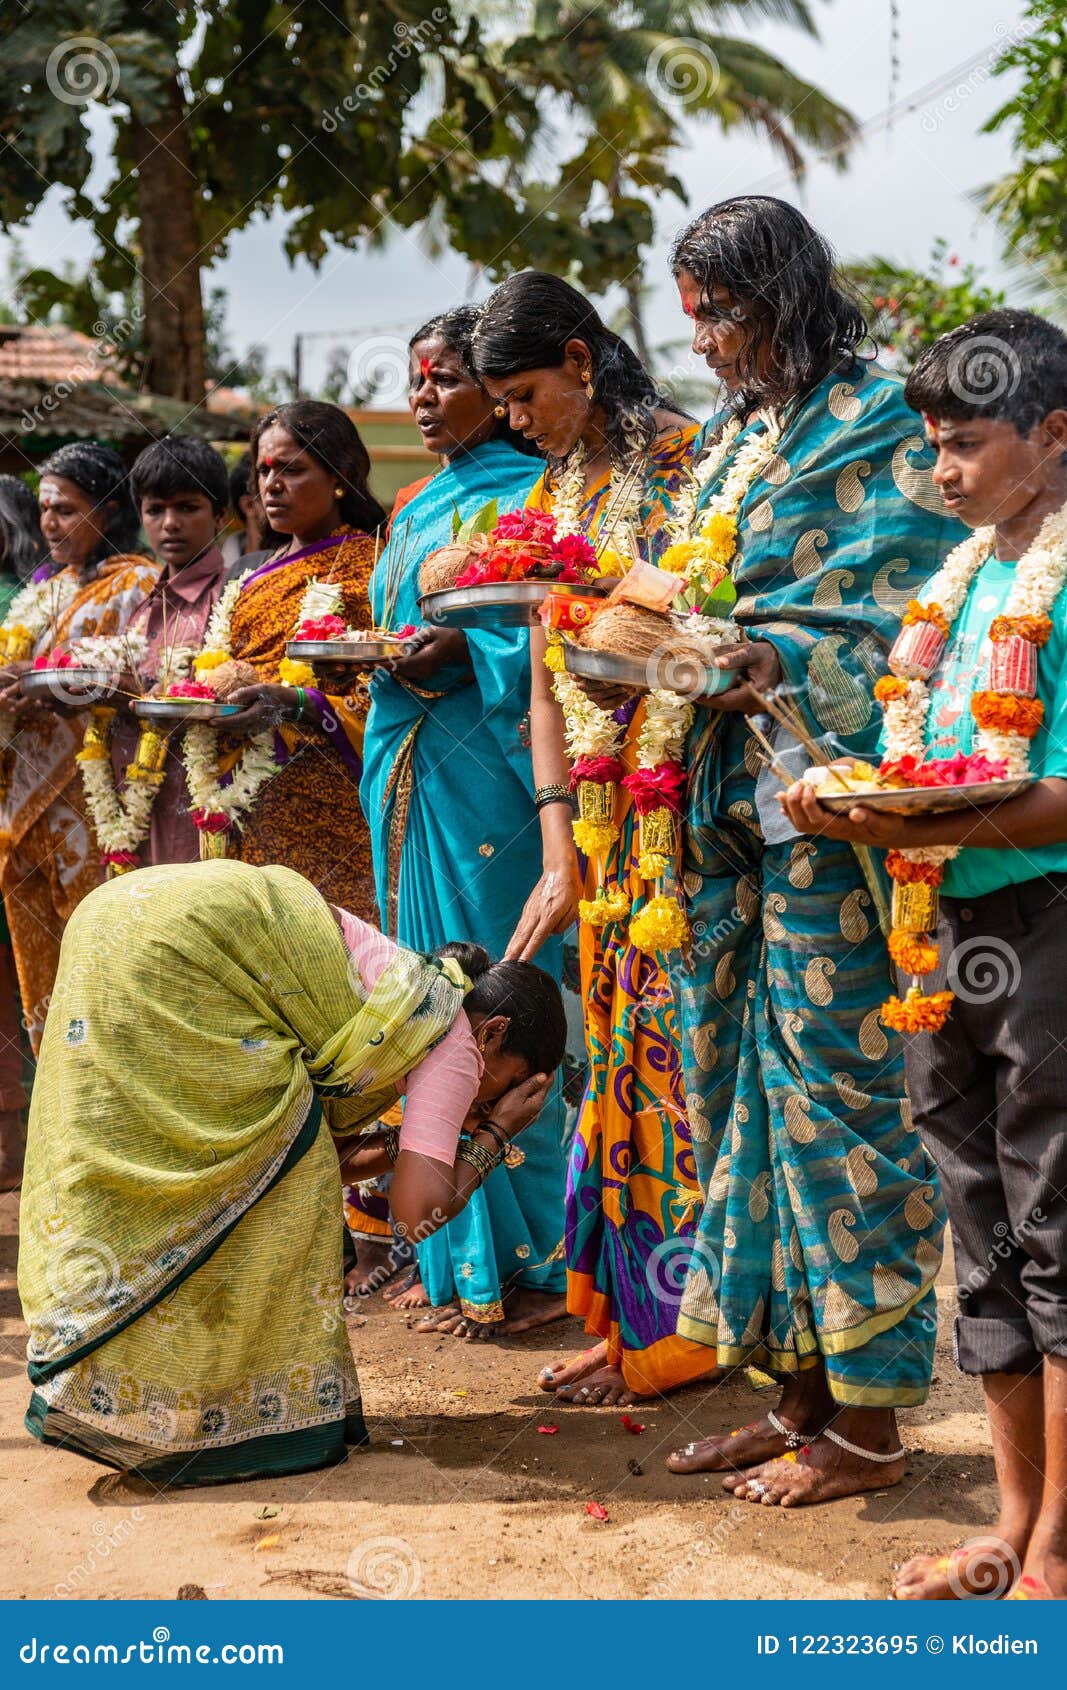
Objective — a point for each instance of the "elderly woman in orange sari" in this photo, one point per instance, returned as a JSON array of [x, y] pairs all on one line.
[[91, 583], [311, 469]]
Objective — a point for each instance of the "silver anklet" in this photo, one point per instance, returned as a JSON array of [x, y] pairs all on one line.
[[793, 1440], [857, 1449]]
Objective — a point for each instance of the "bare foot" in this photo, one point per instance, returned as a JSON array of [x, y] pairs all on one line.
[[12, 1149], [606, 1388], [566, 1372], [819, 1472], [758, 1441], [1044, 1574], [451, 1321], [408, 1293], [525, 1309], [376, 1266], [985, 1566]]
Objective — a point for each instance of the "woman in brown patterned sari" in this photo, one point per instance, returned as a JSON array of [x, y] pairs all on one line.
[[311, 469]]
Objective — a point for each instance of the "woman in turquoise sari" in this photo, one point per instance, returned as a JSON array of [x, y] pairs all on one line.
[[448, 794], [822, 1224]]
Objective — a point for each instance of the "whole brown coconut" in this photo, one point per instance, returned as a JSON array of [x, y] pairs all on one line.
[[440, 570], [670, 660]]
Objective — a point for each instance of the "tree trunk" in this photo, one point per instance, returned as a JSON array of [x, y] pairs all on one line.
[[170, 252], [634, 310]]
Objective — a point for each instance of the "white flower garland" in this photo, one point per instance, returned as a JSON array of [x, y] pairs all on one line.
[[1040, 575], [256, 762], [121, 823], [35, 607]]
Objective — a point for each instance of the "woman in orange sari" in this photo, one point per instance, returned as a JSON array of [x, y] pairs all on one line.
[[311, 469], [90, 585], [612, 440]]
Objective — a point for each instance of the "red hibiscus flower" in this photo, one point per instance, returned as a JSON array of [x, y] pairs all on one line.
[[54, 660]]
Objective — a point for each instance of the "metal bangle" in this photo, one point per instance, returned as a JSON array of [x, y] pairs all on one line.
[[392, 1143], [301, 701], [495, 1131], [483, 1161], [554, 794]]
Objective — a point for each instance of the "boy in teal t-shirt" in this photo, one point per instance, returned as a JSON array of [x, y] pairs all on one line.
[[989, 1088]]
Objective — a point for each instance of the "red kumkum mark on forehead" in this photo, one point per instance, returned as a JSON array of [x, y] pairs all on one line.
[[426, 367]]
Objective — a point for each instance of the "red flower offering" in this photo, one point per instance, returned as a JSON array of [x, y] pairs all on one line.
[[595, 1509], [189, 689], [54, 660], [549, 1431], [322, 628], [634, 1426]]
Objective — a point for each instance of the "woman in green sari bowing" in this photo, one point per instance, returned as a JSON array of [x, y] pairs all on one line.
[[821, 1231], [218, 1038]]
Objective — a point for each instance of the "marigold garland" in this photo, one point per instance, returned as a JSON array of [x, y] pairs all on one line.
[[1007, 715], [1003, 713]]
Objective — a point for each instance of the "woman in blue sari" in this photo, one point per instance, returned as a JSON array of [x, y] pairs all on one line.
[[821, 1232], [448, 794]]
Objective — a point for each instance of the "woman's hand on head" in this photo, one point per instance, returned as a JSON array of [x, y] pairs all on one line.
[[520, 1105]]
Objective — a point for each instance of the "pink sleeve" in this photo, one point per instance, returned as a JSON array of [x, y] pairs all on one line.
[[440, 1089]]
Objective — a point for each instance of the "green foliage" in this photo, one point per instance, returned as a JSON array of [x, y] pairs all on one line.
[[907, 308], [535, 133], [1031, 201]]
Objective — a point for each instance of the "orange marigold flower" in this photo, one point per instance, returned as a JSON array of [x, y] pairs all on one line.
[[889, 687], [917, 612], [910, 873], [917, 1012], [1036, 629], [912, 953], [1004, 713]]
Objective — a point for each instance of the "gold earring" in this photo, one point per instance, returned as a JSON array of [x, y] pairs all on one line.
[[338, 492], [500, 410], [587, 377]]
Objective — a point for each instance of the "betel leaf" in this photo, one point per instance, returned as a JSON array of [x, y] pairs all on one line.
[[482, 522]]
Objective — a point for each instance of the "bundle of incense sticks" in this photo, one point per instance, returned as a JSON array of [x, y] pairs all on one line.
[[790, 719]]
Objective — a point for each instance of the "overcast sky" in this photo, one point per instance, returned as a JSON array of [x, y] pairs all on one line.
[[905, 186]]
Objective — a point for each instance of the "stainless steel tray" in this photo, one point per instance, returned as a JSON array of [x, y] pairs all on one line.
[[63, 685], [509, 604], [927, 800], [379, 650], [682, 675], [182, 709]]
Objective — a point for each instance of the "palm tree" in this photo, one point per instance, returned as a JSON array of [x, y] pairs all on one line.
[[624, 79]]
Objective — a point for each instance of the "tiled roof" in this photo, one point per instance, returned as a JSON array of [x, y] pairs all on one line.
[[52, 352]]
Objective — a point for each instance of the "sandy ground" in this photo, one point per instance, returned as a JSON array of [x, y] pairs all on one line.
[[474, 1501]]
